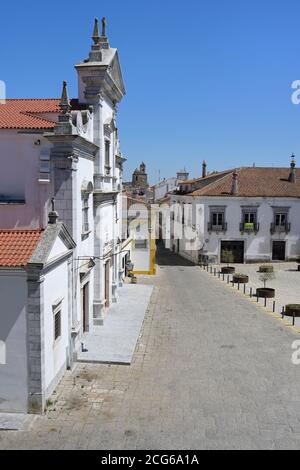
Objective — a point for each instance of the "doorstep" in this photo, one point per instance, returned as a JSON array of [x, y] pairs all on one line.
[[16, 421]]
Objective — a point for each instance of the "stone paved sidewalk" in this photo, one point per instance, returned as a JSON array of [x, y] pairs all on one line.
[[210, 372], [115, 341]]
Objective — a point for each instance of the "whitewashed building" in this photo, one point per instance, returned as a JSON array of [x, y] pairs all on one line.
[[252, 212], [36, 314], [67, 151], [168, 185]]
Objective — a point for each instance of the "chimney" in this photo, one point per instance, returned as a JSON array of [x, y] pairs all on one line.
[[234, 187], [53, 215], [292, 175], [204, 169]]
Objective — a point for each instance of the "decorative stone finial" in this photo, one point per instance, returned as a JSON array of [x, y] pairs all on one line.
[[53, 215], [65, 102], [96, 35], [103, 27]]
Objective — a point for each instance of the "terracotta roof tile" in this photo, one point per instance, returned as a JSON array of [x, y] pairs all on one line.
[[17, 246], [26, 113], [255, 182]]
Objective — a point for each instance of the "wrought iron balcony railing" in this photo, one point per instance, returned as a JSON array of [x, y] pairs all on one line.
[[217, 228], [249, 227], [285, 228]]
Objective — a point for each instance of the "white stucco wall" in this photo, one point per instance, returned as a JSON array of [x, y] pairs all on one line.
[[162, 188], [21, 160], [55, 287], [13, 373], [257, 246]]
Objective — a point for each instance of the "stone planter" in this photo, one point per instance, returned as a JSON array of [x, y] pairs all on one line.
[[228, 270], [266, 269], [265, 293], [291, 309], [240, 279]]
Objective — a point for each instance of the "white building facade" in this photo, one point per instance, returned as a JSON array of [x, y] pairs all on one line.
[[252, 212], [64, 155]]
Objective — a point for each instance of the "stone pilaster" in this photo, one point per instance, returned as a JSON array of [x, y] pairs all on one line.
[[35, 335]]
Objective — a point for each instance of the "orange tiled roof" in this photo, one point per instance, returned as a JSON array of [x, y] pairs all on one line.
[[255, 182], [26, 113], [17, 246]]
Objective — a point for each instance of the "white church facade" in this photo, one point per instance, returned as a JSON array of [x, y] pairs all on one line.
[[63, 156]]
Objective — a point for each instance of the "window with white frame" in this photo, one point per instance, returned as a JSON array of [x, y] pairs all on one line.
[[249, 219], [44, 174], [217, 218], [85, 213], [280, 219]]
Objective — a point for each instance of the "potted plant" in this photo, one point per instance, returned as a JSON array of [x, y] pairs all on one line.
[[265, 292], [228, 257], [292, 309], [266, 268], [240, 278]]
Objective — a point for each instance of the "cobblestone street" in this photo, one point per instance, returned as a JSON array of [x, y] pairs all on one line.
[[211, 371]]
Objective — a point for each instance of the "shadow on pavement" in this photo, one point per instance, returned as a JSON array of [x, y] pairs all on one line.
[[166, 257]]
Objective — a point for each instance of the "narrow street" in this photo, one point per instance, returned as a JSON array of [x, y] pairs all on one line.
[[211, 371]]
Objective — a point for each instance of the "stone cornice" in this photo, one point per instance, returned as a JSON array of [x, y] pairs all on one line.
[[72, 145], [101, 197]]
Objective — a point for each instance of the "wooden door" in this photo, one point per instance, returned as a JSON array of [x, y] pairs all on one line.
[[85, 307], [278, 252]]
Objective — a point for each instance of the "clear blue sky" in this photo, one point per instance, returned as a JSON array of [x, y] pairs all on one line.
[[205, 79]]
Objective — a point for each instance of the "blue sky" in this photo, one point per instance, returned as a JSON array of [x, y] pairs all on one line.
[[204, 80]]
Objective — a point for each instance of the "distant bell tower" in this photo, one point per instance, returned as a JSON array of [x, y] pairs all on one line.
[[140, 177]]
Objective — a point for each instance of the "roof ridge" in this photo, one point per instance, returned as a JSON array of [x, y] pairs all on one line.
[[29, 113], [21, 230], [211, 185], [32, 99]]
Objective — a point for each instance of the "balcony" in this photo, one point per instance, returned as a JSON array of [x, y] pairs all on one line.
[[249, 227], [217, 228], [285, 228]]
